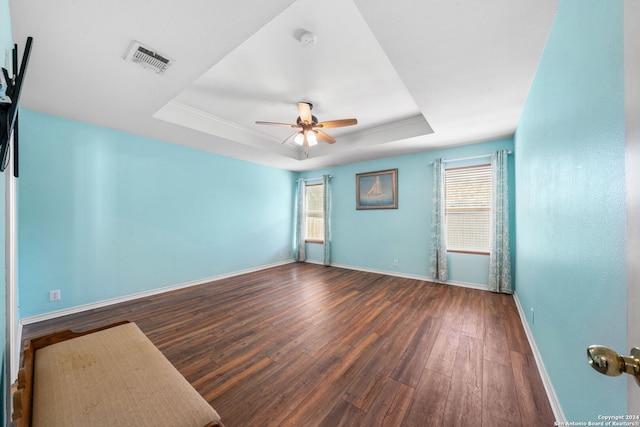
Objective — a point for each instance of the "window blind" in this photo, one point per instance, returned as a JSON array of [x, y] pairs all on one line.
[[468, 208], [315, 213]]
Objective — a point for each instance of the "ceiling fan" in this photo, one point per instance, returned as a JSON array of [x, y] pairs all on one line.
[[310, 129]]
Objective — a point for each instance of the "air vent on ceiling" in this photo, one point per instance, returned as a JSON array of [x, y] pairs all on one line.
[[149, 59]]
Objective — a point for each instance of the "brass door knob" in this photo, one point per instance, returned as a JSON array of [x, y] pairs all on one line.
[[608, 362]]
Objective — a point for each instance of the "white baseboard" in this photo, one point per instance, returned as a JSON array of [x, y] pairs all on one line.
[[462, 284], [130, 297], [80, 308], [546, 381], [407, 276]]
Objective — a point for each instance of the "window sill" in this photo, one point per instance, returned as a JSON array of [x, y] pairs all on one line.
[[454, 251]]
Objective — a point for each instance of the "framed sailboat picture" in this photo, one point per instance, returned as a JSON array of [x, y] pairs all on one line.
[[377, 190]]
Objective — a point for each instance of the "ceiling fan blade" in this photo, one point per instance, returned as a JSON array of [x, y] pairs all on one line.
[[304, 111], [277, 124], [325, 136], [337, 123]]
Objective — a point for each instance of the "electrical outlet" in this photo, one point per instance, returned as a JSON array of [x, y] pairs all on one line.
[[395, 262], [54, 295]]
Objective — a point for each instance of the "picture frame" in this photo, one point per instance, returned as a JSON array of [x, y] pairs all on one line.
[[377, 190]]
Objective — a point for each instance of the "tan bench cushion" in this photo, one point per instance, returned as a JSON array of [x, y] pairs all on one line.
[[114, 377]]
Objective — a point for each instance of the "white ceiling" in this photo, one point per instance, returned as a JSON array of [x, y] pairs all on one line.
[[417, 74]]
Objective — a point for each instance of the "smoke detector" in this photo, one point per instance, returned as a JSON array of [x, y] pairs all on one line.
[[148, 58], [308, 39]]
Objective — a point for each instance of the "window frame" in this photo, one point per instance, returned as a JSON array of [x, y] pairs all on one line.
[[306, 214], [470, 251]]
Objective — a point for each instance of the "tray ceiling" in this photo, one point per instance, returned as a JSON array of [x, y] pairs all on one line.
[[417, 75]]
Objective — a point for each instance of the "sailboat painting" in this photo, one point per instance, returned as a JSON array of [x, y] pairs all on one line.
[[377, 190]]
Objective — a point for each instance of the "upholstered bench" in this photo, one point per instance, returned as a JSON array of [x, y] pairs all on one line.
[[112, 376]]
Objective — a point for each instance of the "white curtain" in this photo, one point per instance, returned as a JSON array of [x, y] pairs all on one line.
[[500, 258], [438, 252], [300, 222], [327, 219]]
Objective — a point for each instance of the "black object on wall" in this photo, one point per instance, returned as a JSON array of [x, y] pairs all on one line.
[[9, 106]]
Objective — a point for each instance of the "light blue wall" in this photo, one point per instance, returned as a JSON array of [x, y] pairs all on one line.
[[570, 204], [103, 214], [372, 239], [5, 43]]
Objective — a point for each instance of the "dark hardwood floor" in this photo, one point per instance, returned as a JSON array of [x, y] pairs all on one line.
[[307, 345]]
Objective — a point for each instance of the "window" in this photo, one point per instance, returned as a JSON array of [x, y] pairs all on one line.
[[314, 208], [468, 208]]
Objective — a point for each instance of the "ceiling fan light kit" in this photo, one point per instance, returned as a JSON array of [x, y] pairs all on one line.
[[306, 138]]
